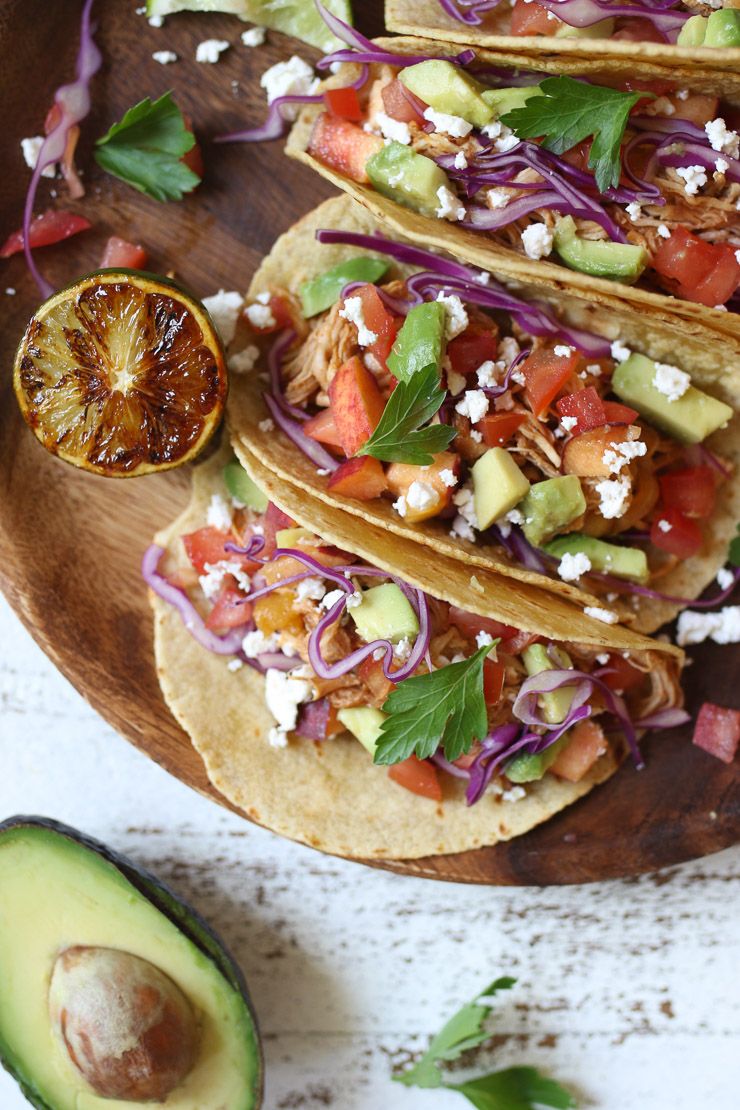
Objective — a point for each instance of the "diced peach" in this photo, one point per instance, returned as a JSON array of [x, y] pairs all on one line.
[[401, 476], [286, 566], [361, 478], [343, 146], [356, 404], [321, 427], [584, 454], [587, 744]]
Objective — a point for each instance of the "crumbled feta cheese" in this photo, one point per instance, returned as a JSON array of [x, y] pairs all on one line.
[[722, 627], [402, 650], [507, 140], [310, 588], [493, 129], [450, 208], [332, 598], [664, 525], [721, 138], [663, 231], [537, 240], [277, 738], [461, 528], [255, 36], [156, 20], [323, 471], [497, 198], [234, 665], [661, 106], [219, 514], [603, 658], [165, 58], [454, 126], [725, 578], [488, 372], [455, 382], [461, 161], [572, 566], [483, 639], [212, 581], [619, 352], [283, 695], [634, 211], [354, 599], [31, 148], [474, 405], [568, 423], [721, 165], [737, 256], [352, 311], [622, 454], [683, 94], [594, 369], [224, 309], [508, 349], [10, 291], [516, 793], [400, 506], [694, 177], [670, 381], [394, 129], [243, 361], [465, 503], [266, 425], [422, 496], [448, 477], [563, 351], [600, 614], [210, 51], [614, 496], [292, 78], [260, 316], [456, 318]]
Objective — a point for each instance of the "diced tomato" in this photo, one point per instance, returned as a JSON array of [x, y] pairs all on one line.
[[619, 414], [587, 743], [513, 640], [585, 406], [578, 155], [707, 273], [362, 478], [545, 374], [273, 522], [682, 537], [497, 428], [401, 476], [720, 283], [192, 158], [226, 613], [322, 428], [471, 349], [119, 252], [207, 546], [494, 673], [401, 104], [356, 403], [281, 316], [379, 320], [529, 18], [417, 775], [636, 84], [717, 731], [638, 30], [371, 673], [624, 676], [693, 491], [343, 146], [49, 227], [343, 102]]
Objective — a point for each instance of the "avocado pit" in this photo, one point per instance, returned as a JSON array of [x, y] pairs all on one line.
[[126, 1026]]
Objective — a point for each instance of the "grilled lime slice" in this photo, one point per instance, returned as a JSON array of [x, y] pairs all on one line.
[[121, 373], [293, 17]]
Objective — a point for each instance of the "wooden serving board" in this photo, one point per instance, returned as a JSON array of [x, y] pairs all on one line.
[[71, 543]]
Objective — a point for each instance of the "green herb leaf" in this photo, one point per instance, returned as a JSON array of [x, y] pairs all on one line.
[[514, 1089], [463, 1031], [569, 112], [145, 149], [400, 437], [447, 704], [733, 555]]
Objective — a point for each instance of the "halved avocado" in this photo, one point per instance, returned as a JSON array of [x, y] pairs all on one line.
[[60, 890]]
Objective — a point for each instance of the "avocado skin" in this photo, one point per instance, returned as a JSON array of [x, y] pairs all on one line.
[[171, 906]]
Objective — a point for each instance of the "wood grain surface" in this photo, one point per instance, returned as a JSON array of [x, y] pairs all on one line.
[[70, 543]]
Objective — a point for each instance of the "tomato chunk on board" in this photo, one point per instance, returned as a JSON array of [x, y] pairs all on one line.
[[417, 775], [49, 227], [119, 252], [717, 731]]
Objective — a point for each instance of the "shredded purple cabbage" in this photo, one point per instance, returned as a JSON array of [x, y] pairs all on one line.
[[581, 13], [645, 591]]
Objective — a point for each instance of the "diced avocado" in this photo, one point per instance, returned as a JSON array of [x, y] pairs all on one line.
[[384, 613], [290, 537], [555, 703], [689, 419], [321, 292], [693, 32], [412, 179], [419, 342], [723, 28], [363, 722], [448, 88], [609, 558], [600, 30], [62, 890], [506, 100], [550, 506], [498, 485], [528, 767], [598, 257], [242, 488]]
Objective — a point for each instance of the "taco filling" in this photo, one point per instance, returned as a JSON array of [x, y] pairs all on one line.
[[426, 687], [454, 401]]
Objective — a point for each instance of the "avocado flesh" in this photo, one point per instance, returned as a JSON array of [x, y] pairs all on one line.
[[242, 488], [57, 889], [689, 419], [291, 537], [384, 613], [693, 31], [447, 88], [319, 293], [406, 177], [364, 723], [420, 341], [498, 486], [723, 28], [553, 703], [528, 767], [550, 506], [506, 100], [607, 558], [598, 257]]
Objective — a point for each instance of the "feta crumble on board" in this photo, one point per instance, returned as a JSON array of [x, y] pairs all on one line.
[[165, 58], [537, 241], [484, 639], [352, 311], [568, 423], [722, 627], [508, 349], [422, 496], [456, 318], [255, 36], [395, 130], [292, 78], [454, 126], [243, 361], [599, 614], [209, 51], [506, 141], [670, 381], [224, 309], [461, 529], [219, 514], [474, 405], [450, 208], [572, 566], [260, 316], [31, 148], [155, 20]]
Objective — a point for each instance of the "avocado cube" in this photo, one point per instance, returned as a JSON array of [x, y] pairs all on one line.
[[319, 293], [364, 723], [555, 703], [385, 613], [608, 558], [498, 485], [242, 488], [448, 88], [550, 506], [528, 767], [420, 341], [693, 32], [598, 257], [406, 177], [291, 537], [689, 419], [506, 100], [723, 28], [600, 30]]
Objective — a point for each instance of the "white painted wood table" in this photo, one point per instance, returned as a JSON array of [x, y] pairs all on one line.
[[628, 991]]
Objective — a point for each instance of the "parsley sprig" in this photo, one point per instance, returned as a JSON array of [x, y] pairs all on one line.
[[446, 706], [400, 437], [145, 149], [569, 112], [519, 1088]]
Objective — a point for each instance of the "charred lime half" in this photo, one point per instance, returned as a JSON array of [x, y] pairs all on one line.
[[121, 373]]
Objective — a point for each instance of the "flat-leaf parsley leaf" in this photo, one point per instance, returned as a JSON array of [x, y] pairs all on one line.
[[400, 437]]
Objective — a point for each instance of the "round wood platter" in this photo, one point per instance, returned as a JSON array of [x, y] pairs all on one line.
[[71, 543]]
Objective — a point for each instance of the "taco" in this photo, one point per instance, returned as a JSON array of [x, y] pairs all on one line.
[[688, 35], [532, 432], [278, 651], [502, 168]]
